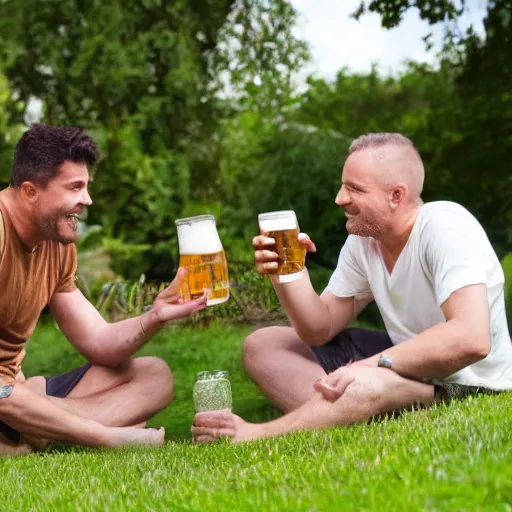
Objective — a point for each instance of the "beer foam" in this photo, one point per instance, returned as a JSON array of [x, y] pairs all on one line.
[[199, 238], [277, 222]]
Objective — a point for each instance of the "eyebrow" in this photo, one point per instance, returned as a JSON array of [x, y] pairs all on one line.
[[76, 182], [351, 184]]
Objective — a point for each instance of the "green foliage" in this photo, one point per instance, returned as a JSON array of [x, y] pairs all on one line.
[[259, 32], [268, 167], [10, 131], [94, 263], [193, 106], [144, 78], [459, 116], [392, 12], [252, 299], [506, 263], [353, 104], [465, 134]]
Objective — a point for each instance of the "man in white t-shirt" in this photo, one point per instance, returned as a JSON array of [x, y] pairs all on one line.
[[438, 285]]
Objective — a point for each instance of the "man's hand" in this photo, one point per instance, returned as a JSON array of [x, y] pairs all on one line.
[[170, 305], [332, 386], [267, 260]]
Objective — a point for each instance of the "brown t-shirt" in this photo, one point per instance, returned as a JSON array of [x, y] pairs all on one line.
[[28, 281]]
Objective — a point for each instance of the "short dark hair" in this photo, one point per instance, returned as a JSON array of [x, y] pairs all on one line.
[[42, 149]]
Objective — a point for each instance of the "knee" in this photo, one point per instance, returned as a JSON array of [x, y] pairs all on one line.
[[366, 385], [255, 345], [156, 374]]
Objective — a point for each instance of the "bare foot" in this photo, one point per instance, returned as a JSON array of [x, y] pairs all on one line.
[[7, 448], [123, 436], [209, 426], [38, 444]]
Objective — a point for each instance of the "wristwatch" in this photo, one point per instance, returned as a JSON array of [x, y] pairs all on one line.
[[385, 361], [5, 391]]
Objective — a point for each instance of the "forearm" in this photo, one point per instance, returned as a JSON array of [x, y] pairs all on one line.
[[307, 313], [438, 352], [116, 342]]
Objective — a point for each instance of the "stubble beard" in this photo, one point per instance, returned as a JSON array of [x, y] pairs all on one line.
[[49, 228], [365, 227]]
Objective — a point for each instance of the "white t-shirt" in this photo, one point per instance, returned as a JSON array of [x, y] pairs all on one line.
[[447, 250]]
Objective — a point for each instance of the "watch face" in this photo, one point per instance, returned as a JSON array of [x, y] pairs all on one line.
[[5, 391], [384, 361]]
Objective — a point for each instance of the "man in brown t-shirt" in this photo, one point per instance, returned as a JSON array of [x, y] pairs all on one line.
[[105, 402]]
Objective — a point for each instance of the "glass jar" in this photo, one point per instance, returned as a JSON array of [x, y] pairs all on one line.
[[212, 391]]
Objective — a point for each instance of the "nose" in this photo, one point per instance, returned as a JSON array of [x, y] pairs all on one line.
[[343, 197], [86, 198]]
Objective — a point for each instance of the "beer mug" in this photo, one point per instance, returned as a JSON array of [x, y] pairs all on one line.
[[284, 229], [201, 252]]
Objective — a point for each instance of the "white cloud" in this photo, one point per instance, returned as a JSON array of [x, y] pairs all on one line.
[[337, 40]]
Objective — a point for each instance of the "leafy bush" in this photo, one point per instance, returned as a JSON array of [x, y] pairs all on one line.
[[252, 300], [506, 263]]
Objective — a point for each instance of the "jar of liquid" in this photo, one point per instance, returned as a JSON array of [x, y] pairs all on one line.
[[212, 391]]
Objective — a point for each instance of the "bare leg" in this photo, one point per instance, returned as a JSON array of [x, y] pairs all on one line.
[[282, 365], [125, 396], [35, 415], [369, 391]]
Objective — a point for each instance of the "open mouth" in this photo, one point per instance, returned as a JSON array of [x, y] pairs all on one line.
[[73, 221]]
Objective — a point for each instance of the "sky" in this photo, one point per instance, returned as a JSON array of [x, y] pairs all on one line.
[[337, 41]]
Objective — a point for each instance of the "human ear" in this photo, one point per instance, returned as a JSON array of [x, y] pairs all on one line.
[[397, 195], [28, 191]]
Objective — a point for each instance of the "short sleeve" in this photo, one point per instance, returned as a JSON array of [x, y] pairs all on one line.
[[2, 235], [455, 252], [69, 262], [349, 279]]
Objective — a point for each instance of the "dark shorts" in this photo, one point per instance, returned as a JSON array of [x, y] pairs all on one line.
[[59, 386], [350, 345], [354, 344]]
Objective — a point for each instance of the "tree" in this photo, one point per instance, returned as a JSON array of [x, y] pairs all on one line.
[[143, 76], [392, 11], [466, 140], [9, 130]]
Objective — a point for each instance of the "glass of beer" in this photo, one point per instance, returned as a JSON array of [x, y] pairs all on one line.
[[201, 252], [284, 229]]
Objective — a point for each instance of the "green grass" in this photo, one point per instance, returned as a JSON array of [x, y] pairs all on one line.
[[455, 457]]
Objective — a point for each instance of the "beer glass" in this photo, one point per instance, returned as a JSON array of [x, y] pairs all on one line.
[[284, 229], [201, 252], [212, 391]]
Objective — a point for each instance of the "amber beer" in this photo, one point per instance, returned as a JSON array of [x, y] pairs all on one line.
[[284, 229], [201, 252]]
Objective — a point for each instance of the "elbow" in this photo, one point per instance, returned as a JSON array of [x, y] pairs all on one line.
[[313, 338], [479, 347], [111, 360]]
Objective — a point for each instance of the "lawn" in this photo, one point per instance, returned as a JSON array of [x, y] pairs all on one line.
[[454, 457]]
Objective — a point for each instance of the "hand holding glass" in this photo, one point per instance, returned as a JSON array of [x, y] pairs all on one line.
[[201, 252], [283, 227], [212, 391]]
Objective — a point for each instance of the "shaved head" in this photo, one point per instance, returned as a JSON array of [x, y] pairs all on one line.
[[397, 159]]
